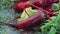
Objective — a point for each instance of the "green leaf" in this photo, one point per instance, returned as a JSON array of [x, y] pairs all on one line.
[[52, 31], [56, 6], [24, 15], [31, 11], [54, 23], [49, 23]]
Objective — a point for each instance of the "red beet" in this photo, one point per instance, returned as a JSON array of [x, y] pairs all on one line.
[[31, 22], [25, 4], [21, 5]]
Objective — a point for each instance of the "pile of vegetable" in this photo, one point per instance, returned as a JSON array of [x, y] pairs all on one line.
[[31, 16]]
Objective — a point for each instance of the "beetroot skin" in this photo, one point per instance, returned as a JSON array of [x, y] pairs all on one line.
[[30, 22]]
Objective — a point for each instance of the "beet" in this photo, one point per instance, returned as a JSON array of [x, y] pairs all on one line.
[[21, 5], [25, 4], [31, 22]]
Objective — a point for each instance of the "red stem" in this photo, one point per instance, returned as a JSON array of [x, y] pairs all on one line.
[[49, 17], [42, 10], [39, 8], [27, 13]]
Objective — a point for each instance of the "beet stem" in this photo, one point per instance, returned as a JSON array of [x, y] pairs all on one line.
[[27, 13], [42, 10], [39, 8], [49, 17]]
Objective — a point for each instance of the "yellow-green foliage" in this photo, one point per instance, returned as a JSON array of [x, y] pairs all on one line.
[[24, 15]]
